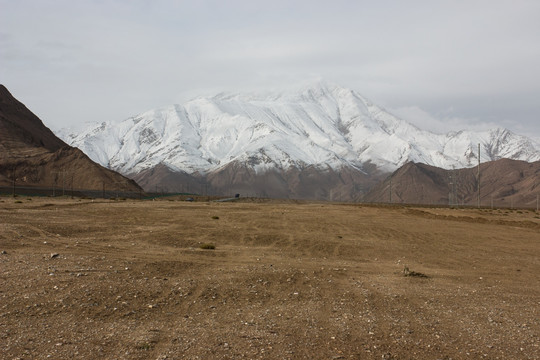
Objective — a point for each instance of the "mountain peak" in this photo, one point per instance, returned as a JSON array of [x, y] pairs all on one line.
[[321, 124], [303, 92]]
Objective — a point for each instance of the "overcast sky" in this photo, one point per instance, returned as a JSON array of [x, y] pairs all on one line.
[[443, 65]]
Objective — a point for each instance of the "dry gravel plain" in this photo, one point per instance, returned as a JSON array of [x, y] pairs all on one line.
[[102, 279]]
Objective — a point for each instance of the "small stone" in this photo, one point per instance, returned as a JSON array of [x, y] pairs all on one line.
[[4, 252], [53, 255]]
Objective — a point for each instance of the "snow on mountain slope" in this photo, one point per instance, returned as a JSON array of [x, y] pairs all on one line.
[[322, 125]]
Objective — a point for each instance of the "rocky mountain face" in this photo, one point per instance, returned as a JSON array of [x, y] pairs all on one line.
[[315, 143], [31, 155], [503, 183]]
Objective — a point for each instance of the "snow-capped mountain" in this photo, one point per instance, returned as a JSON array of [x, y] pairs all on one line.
[[325, 126]]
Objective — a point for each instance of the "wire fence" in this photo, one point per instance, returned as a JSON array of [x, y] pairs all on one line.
[[526, 202], [57, 192]]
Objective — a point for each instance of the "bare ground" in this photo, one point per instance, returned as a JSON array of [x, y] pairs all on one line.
[[128, 280]]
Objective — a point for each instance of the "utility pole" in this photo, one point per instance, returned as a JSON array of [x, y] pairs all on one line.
[[450, 185], [456, 187], [537, 195], [55, 174], [122, 185], [63, 172], [452, 197], [478, 175], [390, 189], [14, 178]]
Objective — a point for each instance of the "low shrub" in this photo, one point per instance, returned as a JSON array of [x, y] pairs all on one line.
[[145, 346], [409, 273]]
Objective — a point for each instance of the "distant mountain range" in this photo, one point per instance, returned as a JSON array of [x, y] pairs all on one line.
[[321, 142], [32, 156]]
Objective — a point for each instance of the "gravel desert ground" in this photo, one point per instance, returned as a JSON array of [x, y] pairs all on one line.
[[103, 279]]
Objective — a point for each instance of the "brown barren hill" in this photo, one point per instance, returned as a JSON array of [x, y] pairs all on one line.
[[307, 183], [20, 129], [503, 183], [32, 156]]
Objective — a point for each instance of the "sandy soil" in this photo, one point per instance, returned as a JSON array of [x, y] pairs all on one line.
[[128, 280]]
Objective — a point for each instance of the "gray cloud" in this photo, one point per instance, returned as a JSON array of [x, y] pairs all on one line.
[[76, 61]]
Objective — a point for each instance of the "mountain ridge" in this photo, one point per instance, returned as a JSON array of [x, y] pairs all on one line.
[[323, 125], [302, 140], [32, 156]]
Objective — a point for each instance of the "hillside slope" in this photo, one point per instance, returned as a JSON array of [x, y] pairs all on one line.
[[505, 183], [32, 156]]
